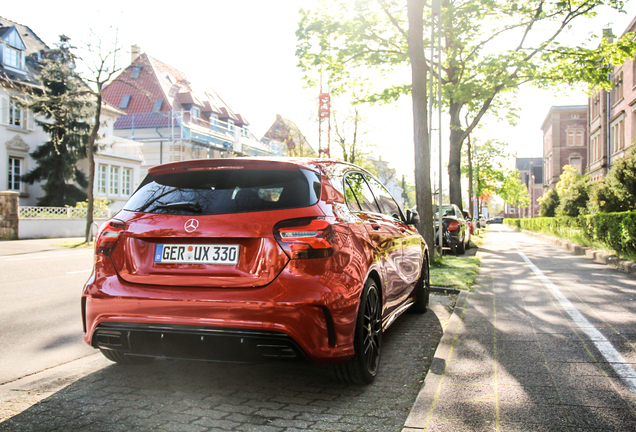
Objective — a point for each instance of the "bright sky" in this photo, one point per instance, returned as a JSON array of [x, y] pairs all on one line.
[[244, 49]]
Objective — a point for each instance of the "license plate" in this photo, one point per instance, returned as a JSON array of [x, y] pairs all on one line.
[[196, 254]]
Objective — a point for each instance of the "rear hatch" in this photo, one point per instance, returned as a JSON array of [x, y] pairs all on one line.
[[210, 223]]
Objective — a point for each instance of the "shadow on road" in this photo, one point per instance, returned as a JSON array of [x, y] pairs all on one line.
[[520, 361], [201, 396]]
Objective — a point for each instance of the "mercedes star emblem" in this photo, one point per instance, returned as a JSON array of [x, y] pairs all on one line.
[[191, 225]]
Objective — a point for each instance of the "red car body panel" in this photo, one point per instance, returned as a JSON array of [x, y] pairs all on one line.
[[314, 301]]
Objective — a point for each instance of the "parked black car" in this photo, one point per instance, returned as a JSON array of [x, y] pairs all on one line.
[[454, 222], [495, 220]]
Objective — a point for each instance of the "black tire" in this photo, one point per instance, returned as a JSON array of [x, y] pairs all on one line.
[[461, 248], [121, 358], [451, 243], [422, 290], [367, 342]]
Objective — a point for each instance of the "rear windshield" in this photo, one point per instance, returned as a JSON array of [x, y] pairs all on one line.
[[225, 191]]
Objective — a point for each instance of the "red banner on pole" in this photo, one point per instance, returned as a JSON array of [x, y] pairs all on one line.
[[324, 105]]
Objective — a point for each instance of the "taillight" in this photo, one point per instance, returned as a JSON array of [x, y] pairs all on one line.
[[108, 237], [309, 237], [453, 226]]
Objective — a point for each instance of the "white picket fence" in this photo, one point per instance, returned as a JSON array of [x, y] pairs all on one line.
[[55, 222], [27, 212]]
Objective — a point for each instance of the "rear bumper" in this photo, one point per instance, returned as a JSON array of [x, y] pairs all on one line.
[[197, 343], [309, 315]]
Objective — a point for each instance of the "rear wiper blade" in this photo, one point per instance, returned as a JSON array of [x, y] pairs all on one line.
[[183, 205]]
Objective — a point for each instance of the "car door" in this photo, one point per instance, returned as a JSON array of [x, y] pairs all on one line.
[[384, 236], [410, 263]]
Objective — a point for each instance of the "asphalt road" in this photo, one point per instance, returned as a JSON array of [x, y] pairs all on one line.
[[40, 323]]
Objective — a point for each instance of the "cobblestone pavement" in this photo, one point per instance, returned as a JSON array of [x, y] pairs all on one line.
[[197, 396]]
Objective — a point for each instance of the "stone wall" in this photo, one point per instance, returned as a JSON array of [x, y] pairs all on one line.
[[9, 215]]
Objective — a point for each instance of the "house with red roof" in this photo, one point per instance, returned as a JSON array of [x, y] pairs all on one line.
[[285, 138], [172, 118], [118, 159]]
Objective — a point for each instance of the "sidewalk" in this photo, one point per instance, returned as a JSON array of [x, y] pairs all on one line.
[[514, 358], [20, 247]]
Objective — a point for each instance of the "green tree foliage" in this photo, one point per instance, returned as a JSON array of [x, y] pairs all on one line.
[[616, 192], [65, 109], [513, 191], [490, 48], [489, 159], [573, 191], [549, 203], [100, 203], [408, 193]]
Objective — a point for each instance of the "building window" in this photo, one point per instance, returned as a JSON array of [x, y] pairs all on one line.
[[102, 180], [575, 161], [15, 113], [595, 149], [125, 100], [13, 57], [230, 125], [633, 126], [617, 89], [195, 112], [135, 72], [126, 177], [596, 103], [15, 174], [618, 136], [214, 121], [246, 132], [157, 106], [575, 137], [114, 180]]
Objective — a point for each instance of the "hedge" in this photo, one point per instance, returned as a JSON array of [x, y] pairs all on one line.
[[615, 230]]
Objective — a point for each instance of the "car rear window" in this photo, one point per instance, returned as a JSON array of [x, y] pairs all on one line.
[[222, 191]]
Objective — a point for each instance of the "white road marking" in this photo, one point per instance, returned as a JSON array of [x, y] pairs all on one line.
[[31, 257], [607, 350]]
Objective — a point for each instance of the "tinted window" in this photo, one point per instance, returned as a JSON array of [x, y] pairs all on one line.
[[447, 210], [225, 191], [359, 196], [388, 206]]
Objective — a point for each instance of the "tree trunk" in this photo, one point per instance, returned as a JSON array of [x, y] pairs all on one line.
[[455, 157], [470, 177], [419, 70], [90, 154]]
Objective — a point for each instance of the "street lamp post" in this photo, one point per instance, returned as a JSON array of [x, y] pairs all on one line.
[[436, 12]]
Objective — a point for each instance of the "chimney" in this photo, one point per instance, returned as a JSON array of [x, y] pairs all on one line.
[[607, 34], [135, 52]]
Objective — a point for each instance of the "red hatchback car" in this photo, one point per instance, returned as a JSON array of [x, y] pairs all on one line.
[[255, 258]]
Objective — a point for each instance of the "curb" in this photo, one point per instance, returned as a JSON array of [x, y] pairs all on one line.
[[444, 290], [421, 409], [599, 257]]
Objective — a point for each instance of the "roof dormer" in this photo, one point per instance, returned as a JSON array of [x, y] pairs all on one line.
[[12, 50]]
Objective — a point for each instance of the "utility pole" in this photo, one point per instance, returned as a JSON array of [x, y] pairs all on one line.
[[436, 24], [324, 112]]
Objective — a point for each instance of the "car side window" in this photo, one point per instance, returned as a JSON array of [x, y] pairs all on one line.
[[350, 197], [388, 206], [359, 196]]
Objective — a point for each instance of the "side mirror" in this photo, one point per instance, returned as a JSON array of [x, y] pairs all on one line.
[[412, 217]]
